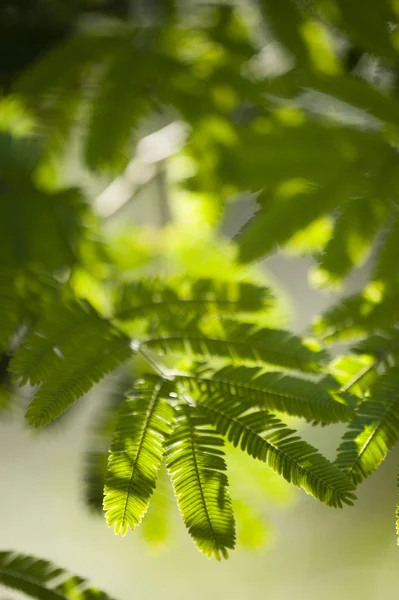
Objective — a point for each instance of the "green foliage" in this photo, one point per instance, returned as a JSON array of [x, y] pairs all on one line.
[[196, 465], [373, 432], [144, 425], [280, 447], [317, 146], [41, 579], [68, 352], [73, 347], [241, 343], [273, 391]]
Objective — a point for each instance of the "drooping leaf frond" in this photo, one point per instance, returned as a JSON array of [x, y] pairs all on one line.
[[354, 231], [244, 343], [374, 432], [380, 345], [76, 377], [137, 450], [274, 391], [109, 130], [196, 465], [186, 298], [356, 316], [266, 438], [42, 580], [71, 363], [61, 333]]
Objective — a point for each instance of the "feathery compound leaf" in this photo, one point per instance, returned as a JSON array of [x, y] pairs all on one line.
[[242, 342], [196, 465], [271, 391], [380, 345], [374, 432], [137, 449], [61, 333], [354, 231], [40, 579], [155, 298], [83, 359], [266, 438], [117, 106], [358, 315], [267, 229]]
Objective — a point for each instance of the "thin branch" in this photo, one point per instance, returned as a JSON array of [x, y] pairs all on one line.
[[359, 376], [161, 372]]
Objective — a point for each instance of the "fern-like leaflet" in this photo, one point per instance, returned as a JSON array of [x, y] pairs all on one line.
[[196, 465], [266, 438], [145, 423], [241, 343], [40, 579], [374, 431], [274, 391]]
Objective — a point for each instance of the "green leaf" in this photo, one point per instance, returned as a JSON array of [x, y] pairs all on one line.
[[244, 343], [185, 298], [137, 450], [358, 315], [75, 363], [41, 579], [273, 391], [62, 332], [373, 432], [25, 212], [58, 71], [286, 21], [355, 228], [117, 106], [380, 345], [267, 229], [360, 94], [266, 438], [196, 465]]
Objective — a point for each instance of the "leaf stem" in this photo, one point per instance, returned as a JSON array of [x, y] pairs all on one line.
[[161, 372]]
